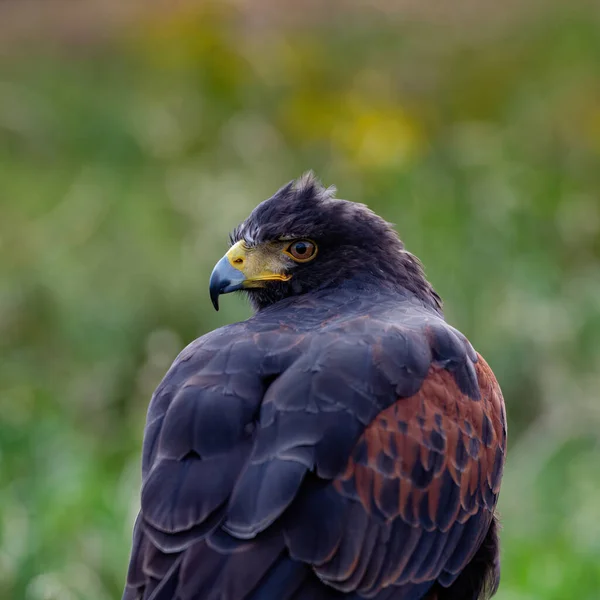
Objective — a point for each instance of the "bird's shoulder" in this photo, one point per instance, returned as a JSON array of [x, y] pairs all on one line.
[[398, 338]]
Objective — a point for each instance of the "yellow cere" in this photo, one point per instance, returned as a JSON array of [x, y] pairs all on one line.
[[258, 264]]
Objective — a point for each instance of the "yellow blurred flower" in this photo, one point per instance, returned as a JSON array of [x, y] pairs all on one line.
[[367, 132], [378, 136]]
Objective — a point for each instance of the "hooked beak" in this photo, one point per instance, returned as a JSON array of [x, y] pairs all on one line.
[[243, 268], [225, 278]]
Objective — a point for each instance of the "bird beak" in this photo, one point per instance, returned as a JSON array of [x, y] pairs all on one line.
[[243, 268], [225, 278]]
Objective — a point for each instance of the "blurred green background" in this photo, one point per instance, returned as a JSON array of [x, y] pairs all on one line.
[[131, 142]]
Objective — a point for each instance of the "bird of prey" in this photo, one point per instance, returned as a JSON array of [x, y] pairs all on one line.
[[344, 442]]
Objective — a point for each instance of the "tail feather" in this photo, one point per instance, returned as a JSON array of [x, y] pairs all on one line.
[[259, 569]]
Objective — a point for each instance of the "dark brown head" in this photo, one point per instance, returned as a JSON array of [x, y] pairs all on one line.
[[304, 239]]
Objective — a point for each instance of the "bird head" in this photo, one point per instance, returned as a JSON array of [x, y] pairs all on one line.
[[304, 239]]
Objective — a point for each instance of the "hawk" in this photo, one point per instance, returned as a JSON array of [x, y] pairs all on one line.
[[344, 442]]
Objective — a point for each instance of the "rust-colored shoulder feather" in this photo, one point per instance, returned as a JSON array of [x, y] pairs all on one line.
[[435, 461]]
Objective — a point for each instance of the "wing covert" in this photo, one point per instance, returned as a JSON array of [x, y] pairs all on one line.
[[431, 462]]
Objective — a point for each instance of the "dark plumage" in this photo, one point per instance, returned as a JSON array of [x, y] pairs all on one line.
[[344, 442]]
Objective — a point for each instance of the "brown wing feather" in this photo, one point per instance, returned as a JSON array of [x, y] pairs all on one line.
[[433, 461], [436, 430]]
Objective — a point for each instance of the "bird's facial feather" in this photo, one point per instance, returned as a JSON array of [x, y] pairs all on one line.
[[270, 261], [250, 267]]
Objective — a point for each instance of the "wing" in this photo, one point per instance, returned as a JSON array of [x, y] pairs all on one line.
[[367, 457], [199, 433], [429, 467]]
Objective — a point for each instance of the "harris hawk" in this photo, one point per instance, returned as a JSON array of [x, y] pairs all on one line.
[[344, 442]]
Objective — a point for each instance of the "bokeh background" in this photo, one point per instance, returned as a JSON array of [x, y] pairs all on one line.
[[134, 136]]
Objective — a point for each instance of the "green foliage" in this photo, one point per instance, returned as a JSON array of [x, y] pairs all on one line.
[[122, 171]]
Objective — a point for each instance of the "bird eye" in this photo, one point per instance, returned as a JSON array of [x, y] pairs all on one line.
[[302, 250]]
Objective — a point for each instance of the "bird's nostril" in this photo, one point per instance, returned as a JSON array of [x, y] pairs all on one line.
[[239, 261]]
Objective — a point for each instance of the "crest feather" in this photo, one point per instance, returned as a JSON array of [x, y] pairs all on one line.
[[309, 187]]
